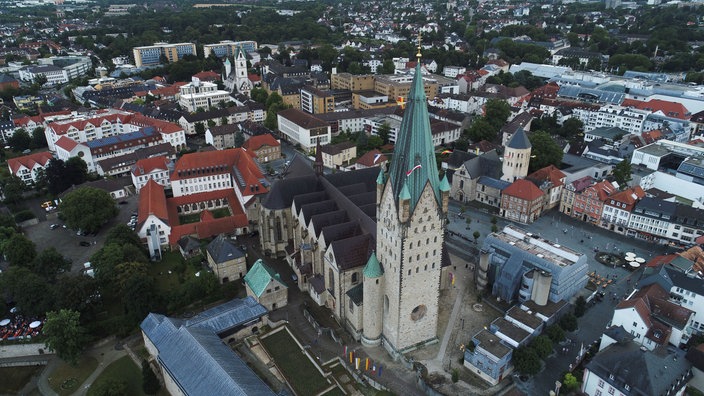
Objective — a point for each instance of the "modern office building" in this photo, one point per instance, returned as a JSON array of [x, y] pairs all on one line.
[[522, 266], [227, 48], [151, 55]]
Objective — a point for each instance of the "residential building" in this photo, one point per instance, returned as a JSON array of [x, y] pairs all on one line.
[[618, 207], [201, 95], [226, 259], [194, 356], [371, 159], [28, 167], [216, 117], [265, 147], [73, 66], [490, 190], [551, 181], [302, 128], [151, 55], [156, 168], [570, 192], [8, 82], [589, 204], [651, 219], [266, 286], [222, 136], [488, 357], [522, 202], [508, 257], [625, 369], [316, 101], [653, 320], [336, 156]]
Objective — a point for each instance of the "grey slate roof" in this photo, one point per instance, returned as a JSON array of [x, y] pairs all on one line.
[[356, 294], [655, 205], [493, 183], [645, 372], [222, 249], [487, 164], [352, 252], [619, 334], [192, 353], [282, 192], [519, 140]]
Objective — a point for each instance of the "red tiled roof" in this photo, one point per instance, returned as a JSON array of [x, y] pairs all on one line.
[[227, 159], [368, 159], [208, 225], [523, 189], [662, 259], [629, 196], [152, 201], [148, 165], [66, 143], [20, 122], [256, 142], [670, 109], [207, 76], [29, 161], [550, 172], [254, 78]]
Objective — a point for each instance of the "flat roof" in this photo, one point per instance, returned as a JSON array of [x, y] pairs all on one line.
[[537, 246], [492, 344]]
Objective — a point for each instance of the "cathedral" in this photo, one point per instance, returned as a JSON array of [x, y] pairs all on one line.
[[369, 244], [237, 80]]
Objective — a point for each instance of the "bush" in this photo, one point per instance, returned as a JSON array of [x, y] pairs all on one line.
[[455, 375], [24, 215], [526, 361], [542, 346]]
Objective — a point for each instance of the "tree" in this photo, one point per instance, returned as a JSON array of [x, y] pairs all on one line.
[[199, 128], [569, 322], [64, 334], [481, 129], [13, 189], [571, 128], [622, 173], [20, 251], [384, 131], [544, 151], [87, 208], [38, 138], [570, 382], [580, 307], [49, 263], [239, 139], [33, 295], [78, 293], [476, 235], [20, 140], [272, 121], [121, 234], [139, 296], [526, 361], [259, 95], [274, 99], [555, 333], [497, 111], [542, 346], [150, 383], [76, 171]]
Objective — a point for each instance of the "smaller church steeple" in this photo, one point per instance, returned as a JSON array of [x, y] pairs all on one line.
[[318, 164]]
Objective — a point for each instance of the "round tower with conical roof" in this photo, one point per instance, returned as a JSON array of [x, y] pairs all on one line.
[[516, 157], [372, 319]]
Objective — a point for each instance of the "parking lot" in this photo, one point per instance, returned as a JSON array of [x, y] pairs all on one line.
[[74, 247]]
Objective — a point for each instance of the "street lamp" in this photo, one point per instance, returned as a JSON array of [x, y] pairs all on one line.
[[558, 384]]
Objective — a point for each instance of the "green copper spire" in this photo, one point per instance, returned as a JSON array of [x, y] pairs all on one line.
[[444, 184], [405, 194], [413, 163], [381, 179], [373, 268]]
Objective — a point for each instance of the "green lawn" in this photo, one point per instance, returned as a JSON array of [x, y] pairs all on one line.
[[297, 368], [15, 378], [189, 218], [123, 369], [171, 261], [66, 379], [221, 212]]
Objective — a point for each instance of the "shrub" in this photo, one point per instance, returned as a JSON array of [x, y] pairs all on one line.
[[569, 322], [455, 375], [24, 215]]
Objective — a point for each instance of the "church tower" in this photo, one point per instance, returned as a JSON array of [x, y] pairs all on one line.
[[242, 83], [516, 157], [411, 209]]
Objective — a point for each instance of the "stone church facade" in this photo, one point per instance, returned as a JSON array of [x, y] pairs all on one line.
[[369, 244]]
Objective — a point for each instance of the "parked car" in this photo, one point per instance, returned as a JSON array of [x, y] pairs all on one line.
[[84, 243], [54, 226]]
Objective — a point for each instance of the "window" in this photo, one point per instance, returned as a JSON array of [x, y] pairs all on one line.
[[354, 278], [611, 390]]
